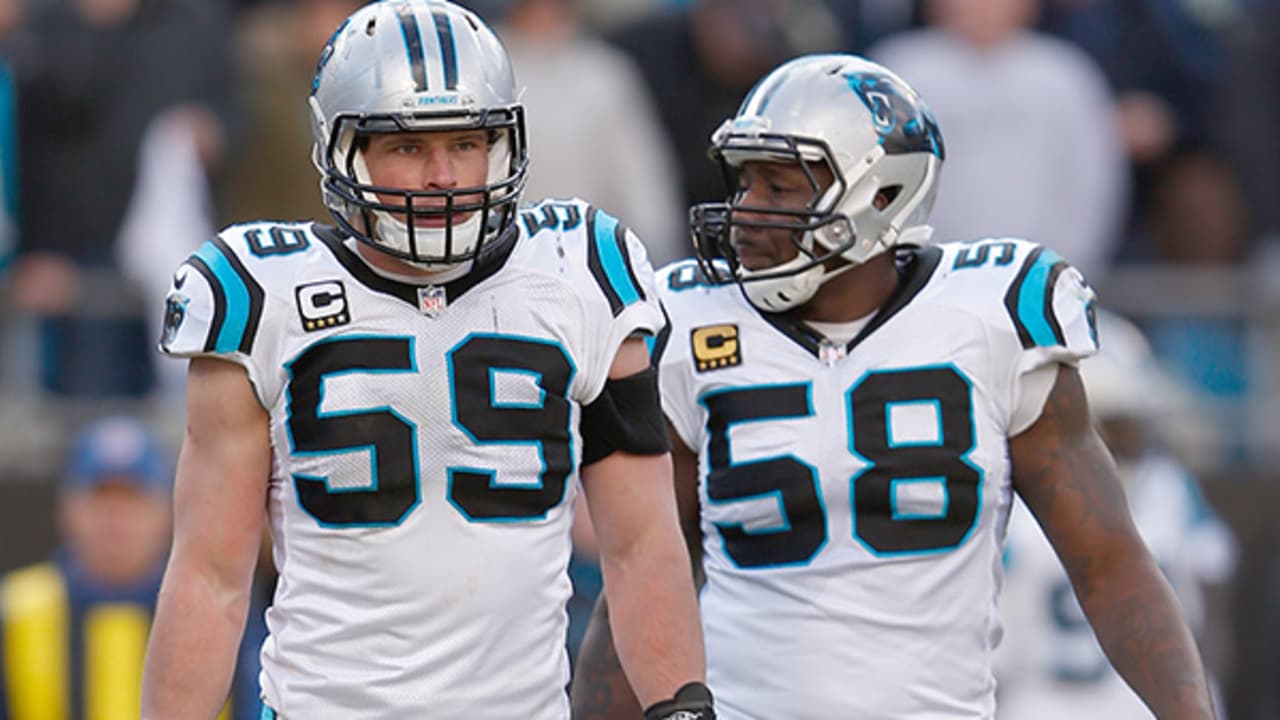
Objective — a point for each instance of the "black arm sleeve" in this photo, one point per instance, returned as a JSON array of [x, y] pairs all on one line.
[[627, 416]]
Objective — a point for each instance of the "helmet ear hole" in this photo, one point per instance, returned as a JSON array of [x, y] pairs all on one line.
[[886, 195]]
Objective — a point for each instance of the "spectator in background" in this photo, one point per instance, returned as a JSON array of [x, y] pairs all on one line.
[[75, 628], [1049, 665], [700, 61], [593, 128], [169, 215], [867, 21], [1166, 61], [1250, 118], [269, 173], [92, 76], [1032, 149], [609, 15]]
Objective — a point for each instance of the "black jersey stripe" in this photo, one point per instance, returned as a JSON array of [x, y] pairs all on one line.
[[1029, 299], [1011, 298], [597, 270], [1049, 314], [659, 345], [219, 302], [610, 262], [257, 298]]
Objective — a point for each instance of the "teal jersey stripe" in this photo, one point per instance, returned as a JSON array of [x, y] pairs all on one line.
[[237, 318], [1032, 311], [608, 246]]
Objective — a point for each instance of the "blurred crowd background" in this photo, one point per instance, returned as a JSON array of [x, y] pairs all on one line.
[[1140, 139]]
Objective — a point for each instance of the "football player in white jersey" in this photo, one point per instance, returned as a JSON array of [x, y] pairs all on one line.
[[853, 410], [1049, 665], [410, 400]]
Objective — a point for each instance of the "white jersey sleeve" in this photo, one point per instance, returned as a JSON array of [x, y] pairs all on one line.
[[616, 278], [1049, 299], [1047, 317], [1051, 307], [217, 305]]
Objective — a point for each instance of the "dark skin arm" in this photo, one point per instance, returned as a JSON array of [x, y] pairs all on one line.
[[1067, 478], [600, 690]]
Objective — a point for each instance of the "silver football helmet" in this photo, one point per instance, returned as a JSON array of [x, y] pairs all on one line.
[[414, 65], [875, 135]]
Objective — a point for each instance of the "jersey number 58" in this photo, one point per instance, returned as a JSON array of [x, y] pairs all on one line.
[[879, 523]]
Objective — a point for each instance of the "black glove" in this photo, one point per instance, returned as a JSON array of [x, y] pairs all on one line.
[[691, 702]]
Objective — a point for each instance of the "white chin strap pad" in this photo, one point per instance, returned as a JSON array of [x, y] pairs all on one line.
[[391, 232], [782, 293], [790, 291]]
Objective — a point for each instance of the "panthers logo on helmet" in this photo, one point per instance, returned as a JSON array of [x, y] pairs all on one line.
[[326, 53], [905, 126], [175, 311]]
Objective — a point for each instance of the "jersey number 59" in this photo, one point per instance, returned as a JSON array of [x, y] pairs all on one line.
[[391, 438]]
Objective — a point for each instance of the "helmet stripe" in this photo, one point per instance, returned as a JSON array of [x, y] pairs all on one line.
[[413, 45], [448, 53]]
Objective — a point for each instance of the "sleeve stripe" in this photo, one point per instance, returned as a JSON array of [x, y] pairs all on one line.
[[657, 344], [609, 261], [243, 298], [1029, 300], [1049, 314], [257, 297], [219, 300]]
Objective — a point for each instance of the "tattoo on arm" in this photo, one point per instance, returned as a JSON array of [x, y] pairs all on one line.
[[1066, 476], [600, 690]]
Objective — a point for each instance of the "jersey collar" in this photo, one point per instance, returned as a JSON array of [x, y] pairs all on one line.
[[490, 261], [915, 266]]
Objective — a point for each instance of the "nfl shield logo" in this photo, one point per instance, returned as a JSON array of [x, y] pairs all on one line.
[[431, 300], [830, 353]]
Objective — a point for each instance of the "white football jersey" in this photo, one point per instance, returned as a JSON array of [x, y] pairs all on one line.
[[1050, 665], [854, 496], [426, 452]]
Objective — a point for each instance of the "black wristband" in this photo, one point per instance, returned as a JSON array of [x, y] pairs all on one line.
[[691, 702]]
